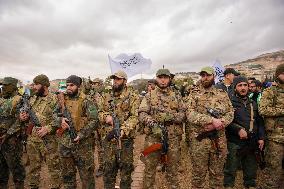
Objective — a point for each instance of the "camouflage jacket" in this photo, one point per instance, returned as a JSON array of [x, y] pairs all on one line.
[[126, 109], [8, 119], [43, 108], [271, 107], [95, 97], [163, 106], [200, 100], [84, 117]]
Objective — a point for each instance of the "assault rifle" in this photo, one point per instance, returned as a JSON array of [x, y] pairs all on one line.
[[24, 106], [163, 145], [210, 134], [64, 113], [116, 129]]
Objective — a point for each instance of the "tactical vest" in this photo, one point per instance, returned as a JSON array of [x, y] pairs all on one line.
[[170, 104], [162, 104], [75, 107], [40, 105]]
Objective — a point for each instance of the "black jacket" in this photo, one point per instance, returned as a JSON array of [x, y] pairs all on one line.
[[229, 89], [242, 116]]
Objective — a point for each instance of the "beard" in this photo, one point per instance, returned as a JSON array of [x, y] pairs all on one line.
[[207, 83], [40, 92], [243, 93], [163, 86], [72, 93], [118, 88], [280, 81]]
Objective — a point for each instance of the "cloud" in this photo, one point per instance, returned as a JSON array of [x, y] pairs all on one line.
[[66, 37]]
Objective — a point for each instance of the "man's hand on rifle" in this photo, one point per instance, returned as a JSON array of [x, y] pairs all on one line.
[[217, 123], [42, 132], [24, 116], [64, 124], [110, 135], [209, 127], [243, 134], [109, 120], [77, 139], [260, 144]]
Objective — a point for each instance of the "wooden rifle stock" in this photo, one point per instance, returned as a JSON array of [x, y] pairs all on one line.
[[151, 149]]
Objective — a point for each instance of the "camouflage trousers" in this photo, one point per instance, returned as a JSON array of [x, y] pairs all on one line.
[[38, 152], [153, 159], [100, 151], [81, 157], [11, 161], [249, 167], [112, 164], [207, 159], [274, 171]]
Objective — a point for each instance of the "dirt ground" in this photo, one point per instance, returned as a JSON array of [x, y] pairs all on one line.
[[184, 172]]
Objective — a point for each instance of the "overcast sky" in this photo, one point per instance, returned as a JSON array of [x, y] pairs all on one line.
[[63, 37]]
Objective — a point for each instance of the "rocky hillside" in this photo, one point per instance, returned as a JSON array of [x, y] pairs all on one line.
[[262, 66]]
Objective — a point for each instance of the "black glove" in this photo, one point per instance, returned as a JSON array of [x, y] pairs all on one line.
[[110, 135]]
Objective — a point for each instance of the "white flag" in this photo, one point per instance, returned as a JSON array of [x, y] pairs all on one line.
[[131, 65], [219, 71]]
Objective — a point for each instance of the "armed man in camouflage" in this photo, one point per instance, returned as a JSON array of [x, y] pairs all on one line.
[[11, 148], [162, 112], [77, 116], [209, 112], [118, 113], [42, 141], [271, 107], [96, 93]]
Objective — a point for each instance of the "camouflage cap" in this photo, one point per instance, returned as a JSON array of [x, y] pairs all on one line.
[[42, 79], [97, 80], [10, 80], [163, 72], [209, 70], [119, 74], [279, 70]]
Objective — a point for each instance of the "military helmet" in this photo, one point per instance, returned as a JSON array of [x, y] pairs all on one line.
[[279, 70], [163, 72]]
